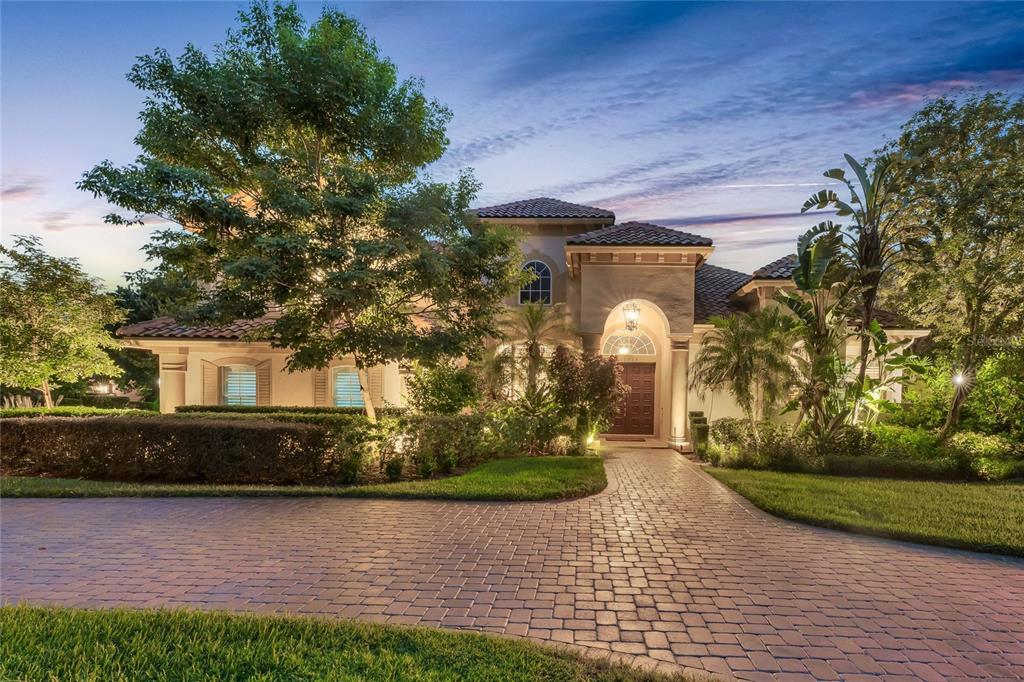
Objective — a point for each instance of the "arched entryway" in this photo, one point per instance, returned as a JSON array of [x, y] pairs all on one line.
[[635, 333], [637, 353]]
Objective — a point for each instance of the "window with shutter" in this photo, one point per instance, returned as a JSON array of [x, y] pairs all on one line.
[[346, 388], [238, 384]]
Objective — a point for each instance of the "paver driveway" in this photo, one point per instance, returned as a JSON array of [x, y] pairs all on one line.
[[666, 564]]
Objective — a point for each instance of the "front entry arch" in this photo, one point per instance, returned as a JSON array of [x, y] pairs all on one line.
[[636, 414]]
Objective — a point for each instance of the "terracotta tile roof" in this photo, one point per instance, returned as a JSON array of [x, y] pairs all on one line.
[[169, 328], [777, 269], [638, 234], [714, 287], [542, 207]]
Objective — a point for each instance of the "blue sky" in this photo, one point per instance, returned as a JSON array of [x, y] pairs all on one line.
[[719, 118]]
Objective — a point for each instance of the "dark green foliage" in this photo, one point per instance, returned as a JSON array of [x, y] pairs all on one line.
[[444, 388], [171, 449], [512, 478], [882, 451], [294, 154], [700, 432], [530, 422]]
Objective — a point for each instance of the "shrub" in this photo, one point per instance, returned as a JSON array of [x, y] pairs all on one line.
[[730, 431], [987, 457], [905, 442], [564, 445], [172, 450], [443, 389], [700, 439], [69, 411]]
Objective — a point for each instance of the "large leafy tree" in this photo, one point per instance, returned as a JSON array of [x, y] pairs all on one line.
[[967, 282], [292, 155], [53, 320], [876, 232], [748, 354]]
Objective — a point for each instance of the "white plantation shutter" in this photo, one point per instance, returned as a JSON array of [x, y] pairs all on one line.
[[238, 384], [211, 383], [263, 383], [346, 391], [377, 385], [320, 394]]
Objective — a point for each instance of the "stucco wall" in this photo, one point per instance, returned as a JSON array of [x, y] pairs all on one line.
[[286, 388], [603, 287]]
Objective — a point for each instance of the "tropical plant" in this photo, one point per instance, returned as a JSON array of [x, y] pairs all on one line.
[[493, 371], [879, 230], [531, 329], [820, 305], [748, 354], [966, 283], [53, 320], [896, 364], [587, 389], [292, 157]]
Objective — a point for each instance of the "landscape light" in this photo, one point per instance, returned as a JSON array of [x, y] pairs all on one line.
[[958, 379]]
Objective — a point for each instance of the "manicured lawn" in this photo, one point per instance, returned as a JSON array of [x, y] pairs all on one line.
[[986, 517], [519, 478], [64, 644]]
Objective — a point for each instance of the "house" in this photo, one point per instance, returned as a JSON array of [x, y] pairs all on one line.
[[643, 292]]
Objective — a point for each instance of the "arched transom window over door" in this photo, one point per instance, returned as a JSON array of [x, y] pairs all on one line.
[[634, 343], [538, 289]]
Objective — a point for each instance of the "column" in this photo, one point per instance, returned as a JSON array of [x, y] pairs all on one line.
[[680, 376]]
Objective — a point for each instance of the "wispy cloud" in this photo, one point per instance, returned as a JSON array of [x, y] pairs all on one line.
[[22, 189]]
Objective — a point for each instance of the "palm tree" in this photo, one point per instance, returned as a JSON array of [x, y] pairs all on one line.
[[494, 370], [532, 327], [748, 354], [877, 235]]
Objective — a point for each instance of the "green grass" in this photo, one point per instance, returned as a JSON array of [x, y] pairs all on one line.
[[986, 517], [519, 478], [66, 644]]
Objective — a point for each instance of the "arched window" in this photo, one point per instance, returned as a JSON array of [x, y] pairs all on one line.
[[538, 289], [346, 388], [238, 384], [634, 343]]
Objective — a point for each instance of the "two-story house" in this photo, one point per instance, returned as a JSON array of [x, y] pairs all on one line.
[[642, 292]]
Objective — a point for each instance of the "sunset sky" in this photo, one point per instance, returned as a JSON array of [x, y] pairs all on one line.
[[716, 117]]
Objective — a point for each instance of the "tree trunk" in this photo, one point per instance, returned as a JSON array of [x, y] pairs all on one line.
[[364, 389], [47, 396], [953, 415], [865, 342]]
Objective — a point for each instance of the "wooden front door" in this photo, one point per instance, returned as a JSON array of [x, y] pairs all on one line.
[[636, 415]]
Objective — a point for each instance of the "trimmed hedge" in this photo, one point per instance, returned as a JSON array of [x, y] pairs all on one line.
[[71, 411], [286, 409], [172, 450], [280, 448]]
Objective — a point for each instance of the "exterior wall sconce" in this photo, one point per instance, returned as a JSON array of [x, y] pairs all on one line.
[[631, 311]]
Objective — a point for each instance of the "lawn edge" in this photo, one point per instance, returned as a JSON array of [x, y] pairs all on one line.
[[909, 537]]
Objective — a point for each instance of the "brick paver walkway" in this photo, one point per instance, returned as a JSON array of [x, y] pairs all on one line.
[[666, 564]]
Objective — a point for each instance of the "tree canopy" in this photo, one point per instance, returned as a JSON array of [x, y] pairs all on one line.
[[53, 320], [966, 282], [293, 156]]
